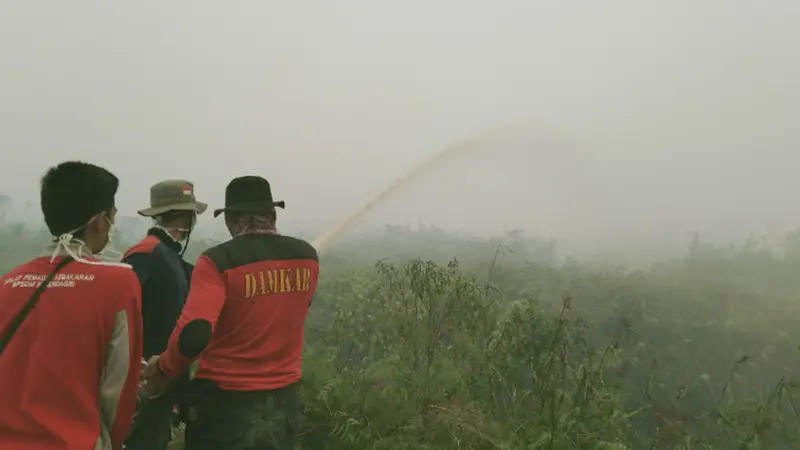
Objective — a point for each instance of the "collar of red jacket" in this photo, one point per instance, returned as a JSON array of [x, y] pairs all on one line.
[[77, 246]]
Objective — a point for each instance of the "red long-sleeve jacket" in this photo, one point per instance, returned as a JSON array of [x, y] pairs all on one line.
[[69, 375], [245, 313]]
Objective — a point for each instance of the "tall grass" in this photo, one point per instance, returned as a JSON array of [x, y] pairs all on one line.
[[425, 357]]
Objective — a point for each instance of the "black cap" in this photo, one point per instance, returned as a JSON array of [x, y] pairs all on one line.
[[248, 194]]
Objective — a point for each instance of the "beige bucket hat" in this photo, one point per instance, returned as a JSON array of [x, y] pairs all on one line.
[[172, 195]]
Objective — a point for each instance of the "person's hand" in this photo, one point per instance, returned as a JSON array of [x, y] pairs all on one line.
[[153, 379]]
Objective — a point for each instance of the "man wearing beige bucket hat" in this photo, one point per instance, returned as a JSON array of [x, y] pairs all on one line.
[[165, 278], [243, 323]]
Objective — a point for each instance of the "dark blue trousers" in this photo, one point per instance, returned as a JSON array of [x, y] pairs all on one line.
[[152, 427]]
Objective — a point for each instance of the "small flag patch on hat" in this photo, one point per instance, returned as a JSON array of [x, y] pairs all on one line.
[[187, 190]]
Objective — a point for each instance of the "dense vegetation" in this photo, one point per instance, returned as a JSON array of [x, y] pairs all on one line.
[[508, 348]]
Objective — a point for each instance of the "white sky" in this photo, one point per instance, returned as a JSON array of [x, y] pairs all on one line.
[[641, 118]]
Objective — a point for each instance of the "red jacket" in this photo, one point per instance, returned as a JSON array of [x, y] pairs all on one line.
[[251, 295], [70, 373]]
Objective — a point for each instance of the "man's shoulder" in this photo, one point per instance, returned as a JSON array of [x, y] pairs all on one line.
[[218, 248], [108, 275], [145, 246], [303, 247], [218, 254], [110, 268], [75, 275], [108, 280], [247, 249]]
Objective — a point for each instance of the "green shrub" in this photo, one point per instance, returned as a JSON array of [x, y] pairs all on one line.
[[424, 356]]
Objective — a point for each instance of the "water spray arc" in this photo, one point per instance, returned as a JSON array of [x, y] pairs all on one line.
[[323, 240]]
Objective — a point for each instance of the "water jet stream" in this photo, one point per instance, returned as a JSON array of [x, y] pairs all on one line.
[[324, 239]]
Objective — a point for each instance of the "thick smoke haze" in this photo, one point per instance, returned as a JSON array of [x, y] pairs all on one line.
[[632, 123]]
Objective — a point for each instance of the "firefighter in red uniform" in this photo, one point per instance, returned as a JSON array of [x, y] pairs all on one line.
[[244, 319], [70, 326]]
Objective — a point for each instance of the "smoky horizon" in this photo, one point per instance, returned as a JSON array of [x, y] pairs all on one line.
[[623, 126]]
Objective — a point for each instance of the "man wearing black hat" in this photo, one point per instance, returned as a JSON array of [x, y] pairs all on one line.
[[164, 277], [245, 313]]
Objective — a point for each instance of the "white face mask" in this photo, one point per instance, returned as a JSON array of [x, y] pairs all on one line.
[[77, 248], [185, 232], [107, 250]]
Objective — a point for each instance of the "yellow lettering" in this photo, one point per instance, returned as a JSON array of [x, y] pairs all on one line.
[[274, 281], [306, 279], [263, 283], [272, 276], [249, 285], [286, 283]]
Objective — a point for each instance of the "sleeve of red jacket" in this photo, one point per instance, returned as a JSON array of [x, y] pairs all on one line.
[[198, 320], [122, 370]]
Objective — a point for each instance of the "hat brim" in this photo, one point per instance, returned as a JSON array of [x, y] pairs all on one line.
[[281, 204], [198, 207]]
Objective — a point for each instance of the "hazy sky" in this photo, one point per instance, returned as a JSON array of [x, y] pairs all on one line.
[[634, 118]]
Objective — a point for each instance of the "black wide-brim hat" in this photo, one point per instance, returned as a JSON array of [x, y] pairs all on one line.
[[251, 194]]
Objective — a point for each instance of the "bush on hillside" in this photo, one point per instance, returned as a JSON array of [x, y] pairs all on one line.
[[423, 356]]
